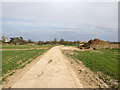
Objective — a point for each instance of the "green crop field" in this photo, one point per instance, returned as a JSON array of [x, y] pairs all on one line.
[[17, 59], [105, 61], [24, 46], [72, 45]]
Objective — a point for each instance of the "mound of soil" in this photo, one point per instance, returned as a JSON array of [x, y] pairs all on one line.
[[93, 44]]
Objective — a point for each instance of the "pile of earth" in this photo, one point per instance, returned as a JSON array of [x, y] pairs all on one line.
[[93, 44]]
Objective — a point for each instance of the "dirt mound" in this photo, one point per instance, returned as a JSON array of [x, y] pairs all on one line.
[[95, 41], [94, 44]]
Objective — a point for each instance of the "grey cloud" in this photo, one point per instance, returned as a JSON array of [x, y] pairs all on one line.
[[78, 21]]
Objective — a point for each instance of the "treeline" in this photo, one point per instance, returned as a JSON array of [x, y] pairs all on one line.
[[61, 41], [115, 42], [21, 41]]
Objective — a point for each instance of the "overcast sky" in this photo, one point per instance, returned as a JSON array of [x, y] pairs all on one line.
[[68, 20]]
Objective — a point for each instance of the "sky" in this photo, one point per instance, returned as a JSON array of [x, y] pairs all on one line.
[[69, 20]]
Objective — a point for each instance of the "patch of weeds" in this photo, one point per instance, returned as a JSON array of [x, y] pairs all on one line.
[[67, 54], [100, 77], [71, 62], [107, 48], [94, 49], [22, 67], [77, 62], [114, 86], [118, 86], [10, 87], [29, 61], [3, 79], [0, 82], [90, 84], [49, 61], [20, 63], [11, 73], [108, 79], [34, 57], [119, 80], [80, 71], [86, 72]]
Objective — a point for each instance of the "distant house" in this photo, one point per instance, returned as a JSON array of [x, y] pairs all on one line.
[[84, 42], [81, 44], [31, 43], [6, 40]]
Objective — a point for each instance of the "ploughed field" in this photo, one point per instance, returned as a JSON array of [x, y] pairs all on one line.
[[18, 56]]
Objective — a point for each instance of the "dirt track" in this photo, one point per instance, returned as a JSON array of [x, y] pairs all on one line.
[[51, 71]]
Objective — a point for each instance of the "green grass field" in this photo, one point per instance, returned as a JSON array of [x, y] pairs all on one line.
[[11, 59], [24, 46], [72, 45], [17, 59], [105, 61]]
